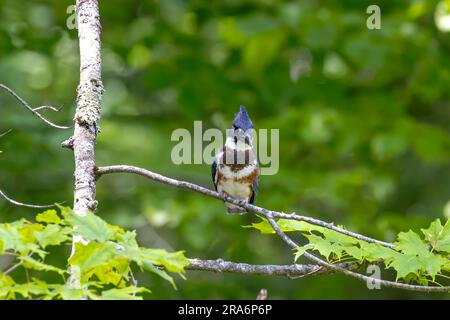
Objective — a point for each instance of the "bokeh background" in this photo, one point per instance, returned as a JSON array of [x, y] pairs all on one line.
[[363, 116]]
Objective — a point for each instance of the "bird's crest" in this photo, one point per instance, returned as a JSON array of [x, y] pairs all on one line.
[[242, 120]]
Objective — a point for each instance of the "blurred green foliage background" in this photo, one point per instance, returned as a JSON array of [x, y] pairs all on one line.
[[363, 116]]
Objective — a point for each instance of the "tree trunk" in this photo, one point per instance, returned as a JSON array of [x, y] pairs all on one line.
[[87, 116]]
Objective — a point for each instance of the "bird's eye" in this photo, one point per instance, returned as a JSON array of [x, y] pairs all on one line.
[[235, 139], [247, 140]]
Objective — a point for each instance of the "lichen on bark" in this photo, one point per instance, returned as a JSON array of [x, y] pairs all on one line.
[[89, 102]]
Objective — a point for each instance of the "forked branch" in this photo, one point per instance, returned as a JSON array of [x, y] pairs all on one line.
[[270, 215], [34, 110], [350, 273]]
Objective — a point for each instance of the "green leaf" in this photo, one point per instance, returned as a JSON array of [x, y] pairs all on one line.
[[10, 237], [172, 261], [127, 293], [438, 236], [263, 226], [150, 267], [128, 239], [405, 264], [294, 225], [32, 263], [432, 264], [433, 232], [28, 232], [355, 252], [5, 280], [410, 243], [285, 225], [425, 264], [94, 254], [336, 237], [301, 250], [320, 244], [149, 258], [64, 292], [49, 216], [91, 227], [28, 290], [443, 243], [374, 252], [19, 236], [113, 272], [52, 235]]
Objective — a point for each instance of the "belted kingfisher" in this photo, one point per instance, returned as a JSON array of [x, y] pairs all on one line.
[[235, 169]]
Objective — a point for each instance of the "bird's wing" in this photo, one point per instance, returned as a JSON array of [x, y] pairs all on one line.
[[214, 172], [255, 187]]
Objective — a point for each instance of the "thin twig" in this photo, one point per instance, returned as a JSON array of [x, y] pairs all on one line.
[[265, 212], [27, 275], [5, 133], [27, 205], [33, 111], [47, 108], [14, 267], [133, 279]]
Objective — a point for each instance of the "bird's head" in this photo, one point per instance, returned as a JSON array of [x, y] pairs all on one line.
[[240, 136]]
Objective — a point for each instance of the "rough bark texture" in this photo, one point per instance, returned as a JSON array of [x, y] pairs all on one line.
[[290, 271], [87, 115]]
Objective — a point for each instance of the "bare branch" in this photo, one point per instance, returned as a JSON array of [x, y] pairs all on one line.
[[291, 271], [33, 111], [27, 205], [265, 212], [67, 143]]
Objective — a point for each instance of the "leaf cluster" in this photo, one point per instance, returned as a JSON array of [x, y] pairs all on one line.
[[415, 258], [102, 258]]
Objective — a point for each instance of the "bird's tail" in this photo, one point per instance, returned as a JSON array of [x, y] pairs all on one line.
[[232, 209]]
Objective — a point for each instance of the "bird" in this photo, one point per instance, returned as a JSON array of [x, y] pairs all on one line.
[[235, 169]]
